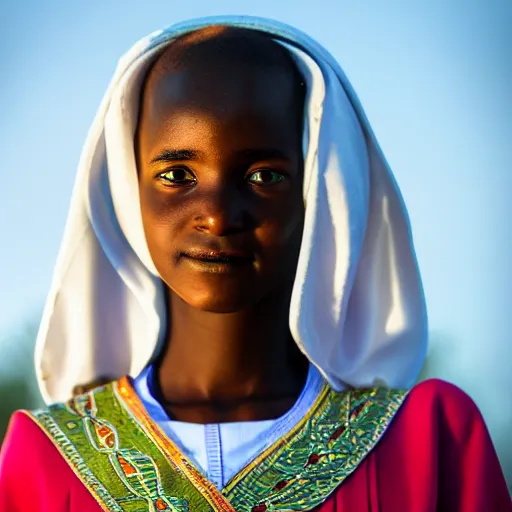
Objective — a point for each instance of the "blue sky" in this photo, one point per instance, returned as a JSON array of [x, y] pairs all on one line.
[[434, 77]]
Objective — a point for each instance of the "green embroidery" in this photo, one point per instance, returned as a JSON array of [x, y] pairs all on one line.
[[115, 459], [306, 467], [75, 459], [104, 440]]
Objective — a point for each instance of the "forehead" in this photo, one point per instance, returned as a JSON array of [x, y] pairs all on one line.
[[235, 96], [220, 88]]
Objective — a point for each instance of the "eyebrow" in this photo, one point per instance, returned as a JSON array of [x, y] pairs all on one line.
[[253, 154], [173, 155]]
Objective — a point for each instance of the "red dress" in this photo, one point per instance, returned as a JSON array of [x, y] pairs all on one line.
[[435, 456]]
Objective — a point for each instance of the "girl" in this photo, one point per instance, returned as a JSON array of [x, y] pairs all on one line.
[[237, 243]]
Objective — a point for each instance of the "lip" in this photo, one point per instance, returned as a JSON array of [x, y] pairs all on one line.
[[216, 261]]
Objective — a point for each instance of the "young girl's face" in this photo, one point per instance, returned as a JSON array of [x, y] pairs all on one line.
[[220, 174]]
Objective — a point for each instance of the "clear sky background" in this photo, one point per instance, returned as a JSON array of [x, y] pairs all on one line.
[[435, 78]]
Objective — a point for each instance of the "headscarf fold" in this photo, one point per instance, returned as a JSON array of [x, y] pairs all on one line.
[[357, 308]]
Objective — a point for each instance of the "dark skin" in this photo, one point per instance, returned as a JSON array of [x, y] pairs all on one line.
[[220, 179]]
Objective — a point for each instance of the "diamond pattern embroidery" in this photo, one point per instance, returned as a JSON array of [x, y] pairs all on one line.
[[136, 470]]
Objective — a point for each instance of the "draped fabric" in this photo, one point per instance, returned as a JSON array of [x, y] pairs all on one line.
[[357, 309]]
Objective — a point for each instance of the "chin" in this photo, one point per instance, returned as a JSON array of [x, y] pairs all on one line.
[[217, 294], [221, 304]]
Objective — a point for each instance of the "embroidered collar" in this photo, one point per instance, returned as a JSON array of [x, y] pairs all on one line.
[[109, 428]]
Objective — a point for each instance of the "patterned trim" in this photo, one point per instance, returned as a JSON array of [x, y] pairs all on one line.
[[128, 463], [75, 460], [280, 443], [304, 467], [101, 443], [129, 398], [307, 465]]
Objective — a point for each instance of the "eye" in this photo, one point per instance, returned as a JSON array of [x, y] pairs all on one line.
[[265, 177], [177, 176]]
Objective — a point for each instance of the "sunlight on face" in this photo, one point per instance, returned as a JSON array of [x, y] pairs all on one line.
[[220, 173]]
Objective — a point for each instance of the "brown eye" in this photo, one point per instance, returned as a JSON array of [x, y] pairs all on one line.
[[265, 177], [177, 176]]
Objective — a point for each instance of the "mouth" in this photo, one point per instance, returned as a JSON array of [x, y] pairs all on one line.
[[218, 261]]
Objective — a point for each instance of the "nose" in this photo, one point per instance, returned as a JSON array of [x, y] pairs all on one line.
[[222, 212]]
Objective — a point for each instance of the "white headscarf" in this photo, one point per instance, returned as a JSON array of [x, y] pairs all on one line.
[[357, 309]]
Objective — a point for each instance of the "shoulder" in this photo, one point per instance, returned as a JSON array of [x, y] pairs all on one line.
[[32, 437], [442, 395], [34, 475], [438, 402], [23, 433], [447, 429], [25, 458], [25, 444]]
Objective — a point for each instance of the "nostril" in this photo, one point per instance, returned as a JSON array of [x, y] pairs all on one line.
[[220, 221]]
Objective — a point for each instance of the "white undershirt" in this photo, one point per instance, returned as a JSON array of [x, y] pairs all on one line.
[[221, 450]]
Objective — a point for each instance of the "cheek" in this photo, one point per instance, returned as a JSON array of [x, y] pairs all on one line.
[[161, 222], [280, 233]]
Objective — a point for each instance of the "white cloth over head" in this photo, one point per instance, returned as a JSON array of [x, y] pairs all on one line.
[[357, 309]]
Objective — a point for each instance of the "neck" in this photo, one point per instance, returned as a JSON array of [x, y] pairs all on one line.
[[228, 367]]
